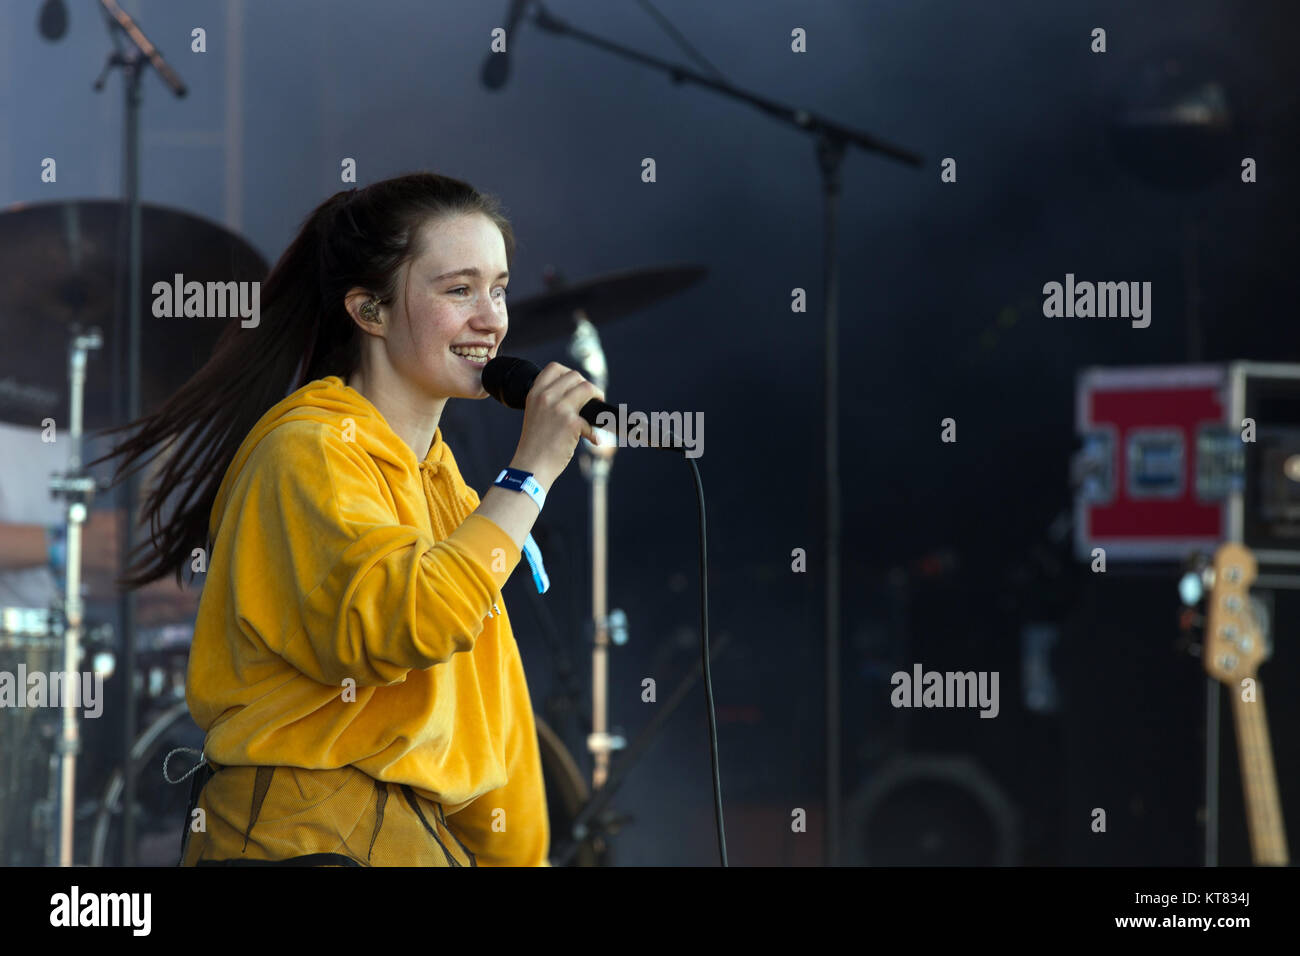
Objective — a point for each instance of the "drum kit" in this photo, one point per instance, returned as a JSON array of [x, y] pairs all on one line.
[[62, 263], [62, 259]]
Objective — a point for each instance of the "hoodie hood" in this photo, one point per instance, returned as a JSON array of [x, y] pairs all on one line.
[[332, 402]]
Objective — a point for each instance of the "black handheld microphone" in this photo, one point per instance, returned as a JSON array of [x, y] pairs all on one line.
[[509, 380]]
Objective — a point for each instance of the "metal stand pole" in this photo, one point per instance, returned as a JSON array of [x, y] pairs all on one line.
[[830, 155], [141, 53], [596, 463], [130, 488], [79, 489], [599, 741]]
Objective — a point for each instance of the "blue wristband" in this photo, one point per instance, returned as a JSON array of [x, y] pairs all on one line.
[[534, 555], [514, 479]]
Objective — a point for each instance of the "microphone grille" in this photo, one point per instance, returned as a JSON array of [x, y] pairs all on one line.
[[508, 380]]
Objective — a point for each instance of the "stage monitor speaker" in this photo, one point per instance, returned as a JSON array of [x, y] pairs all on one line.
[[931, 811]]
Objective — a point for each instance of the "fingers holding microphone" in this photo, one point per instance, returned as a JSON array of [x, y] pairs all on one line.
[[552, 425], [578, 395]]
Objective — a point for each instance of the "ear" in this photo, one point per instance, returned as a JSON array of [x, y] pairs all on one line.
[[354, 300]]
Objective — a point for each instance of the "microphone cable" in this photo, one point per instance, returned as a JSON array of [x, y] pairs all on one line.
[[704, 652], [509, 380]]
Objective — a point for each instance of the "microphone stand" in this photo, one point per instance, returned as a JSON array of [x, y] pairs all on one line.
[[133, 61], [831, 141], [596, 464]]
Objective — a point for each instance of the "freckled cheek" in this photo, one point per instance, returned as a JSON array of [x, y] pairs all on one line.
[[432, 334]]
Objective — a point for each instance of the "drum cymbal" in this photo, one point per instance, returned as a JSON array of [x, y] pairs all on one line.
[[540, 318], [62, 265]]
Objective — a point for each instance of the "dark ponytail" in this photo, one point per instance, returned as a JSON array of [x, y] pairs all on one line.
[[356, 238]]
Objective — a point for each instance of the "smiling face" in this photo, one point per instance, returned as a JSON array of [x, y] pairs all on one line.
[[451, 295]]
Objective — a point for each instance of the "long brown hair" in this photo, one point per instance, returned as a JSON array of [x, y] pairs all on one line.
[[357, 237]]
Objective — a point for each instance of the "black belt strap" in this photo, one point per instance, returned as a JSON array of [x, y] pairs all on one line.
[[261, 784], [197, 783], [443, 816], [381, 799], [415, 805]]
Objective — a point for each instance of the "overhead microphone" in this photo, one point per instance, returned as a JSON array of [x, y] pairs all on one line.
[[53, 20], [496, 68]]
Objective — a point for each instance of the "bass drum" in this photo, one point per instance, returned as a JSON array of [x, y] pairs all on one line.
[[566, 795], [161, 806], [31, 641]]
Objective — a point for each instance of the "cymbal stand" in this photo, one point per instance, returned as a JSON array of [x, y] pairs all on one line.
[[596, 463], [78, 489], [592, 822]]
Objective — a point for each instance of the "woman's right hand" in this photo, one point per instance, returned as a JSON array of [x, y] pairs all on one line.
[[552, 425]]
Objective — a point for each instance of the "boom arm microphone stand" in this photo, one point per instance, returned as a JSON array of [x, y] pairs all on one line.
[[831, 140], [133, 60]]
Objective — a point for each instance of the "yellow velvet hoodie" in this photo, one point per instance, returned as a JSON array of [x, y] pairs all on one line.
[[352, 616]]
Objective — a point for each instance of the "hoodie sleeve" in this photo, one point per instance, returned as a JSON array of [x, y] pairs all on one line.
[[510, 826], [325, 577]]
